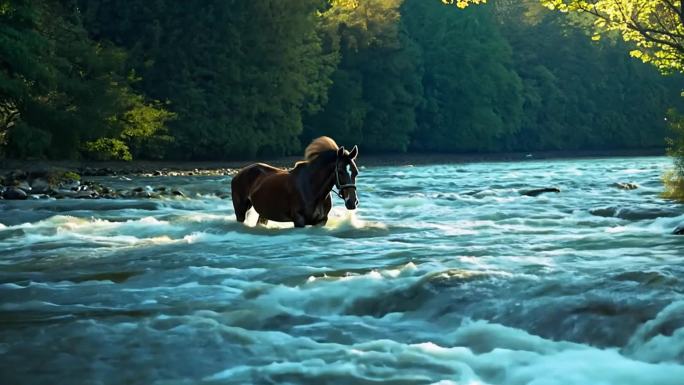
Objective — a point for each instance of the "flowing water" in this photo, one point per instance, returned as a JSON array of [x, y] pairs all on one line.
[[445, 275]]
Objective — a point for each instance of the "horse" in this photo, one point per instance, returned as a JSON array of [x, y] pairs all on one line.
[[301, 195]]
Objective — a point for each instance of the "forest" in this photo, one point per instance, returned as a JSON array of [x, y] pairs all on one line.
[[235, 79]]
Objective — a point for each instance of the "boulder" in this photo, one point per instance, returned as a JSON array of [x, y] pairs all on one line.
[[634, 213], [141, 194], [539, 191], [70, 185], [62, 194], [86, 194], [24, 185], [679, 230], [40, 186], [14, 193]]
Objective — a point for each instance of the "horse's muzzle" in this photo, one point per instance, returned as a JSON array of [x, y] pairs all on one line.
[[351, 203]]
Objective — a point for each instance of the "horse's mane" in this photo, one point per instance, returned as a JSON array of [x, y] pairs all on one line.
[[318, 146]]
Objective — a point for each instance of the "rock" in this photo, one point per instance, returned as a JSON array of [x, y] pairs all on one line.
[[70, 185], [539, 191], [679, 230], [625, 186], [142, 194], [14, 193], [160, 189], [24, 186], [177, 193], [157, 173], [85, 194], [40, 186], [62, 194], [138, 190], [634, 214], [88, 172]]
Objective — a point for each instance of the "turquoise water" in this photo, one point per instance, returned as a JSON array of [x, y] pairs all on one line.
[[445, 275]]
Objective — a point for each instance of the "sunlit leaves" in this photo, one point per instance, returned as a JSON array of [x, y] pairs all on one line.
[[655, 26], [463, 3]]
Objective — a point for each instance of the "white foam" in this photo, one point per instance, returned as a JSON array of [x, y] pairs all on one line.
[[649, 344], [515, 358]]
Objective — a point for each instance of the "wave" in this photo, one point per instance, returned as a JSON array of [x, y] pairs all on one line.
[[479, 353]]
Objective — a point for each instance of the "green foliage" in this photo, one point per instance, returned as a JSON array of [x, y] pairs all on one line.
[[65, 88], [239, 75], [26, 141], [473, 98], [674, 179], [654, 26], [608, 99], [108, 149], [70, 175], [217, 79], [377, 86]]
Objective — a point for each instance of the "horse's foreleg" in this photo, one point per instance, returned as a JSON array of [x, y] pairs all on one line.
[[299, 220], [322, 222], [241, 204]]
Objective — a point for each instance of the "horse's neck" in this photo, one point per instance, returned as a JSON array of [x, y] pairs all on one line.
[[319, 180]]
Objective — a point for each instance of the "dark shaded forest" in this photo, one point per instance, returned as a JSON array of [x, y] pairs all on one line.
[[227, 79]]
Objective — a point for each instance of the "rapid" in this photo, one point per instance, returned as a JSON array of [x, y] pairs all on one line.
[[445, 275]]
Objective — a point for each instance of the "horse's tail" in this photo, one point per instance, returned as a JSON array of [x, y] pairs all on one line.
[[241, 185]]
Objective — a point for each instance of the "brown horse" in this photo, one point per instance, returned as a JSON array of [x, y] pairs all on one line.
[[301, 195]]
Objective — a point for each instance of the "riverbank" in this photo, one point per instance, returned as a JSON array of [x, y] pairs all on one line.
[[190, 168]]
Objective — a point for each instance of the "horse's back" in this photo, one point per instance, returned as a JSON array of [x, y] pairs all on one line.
[[244, 182], [249, 175]]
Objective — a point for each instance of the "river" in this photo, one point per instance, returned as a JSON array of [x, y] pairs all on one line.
[[445, 275]]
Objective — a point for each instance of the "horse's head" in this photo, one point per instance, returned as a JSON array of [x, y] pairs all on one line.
[[345, 176]]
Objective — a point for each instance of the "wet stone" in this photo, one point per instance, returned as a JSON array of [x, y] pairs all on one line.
[[40, 186], [539, 191], [14, 193]]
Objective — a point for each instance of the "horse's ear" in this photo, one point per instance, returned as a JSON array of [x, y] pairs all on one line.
[[340, 152], [354, 152]]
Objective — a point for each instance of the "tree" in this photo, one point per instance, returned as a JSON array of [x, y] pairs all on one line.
[[377, 85], [473, 98], [240, 75], [61, 93]]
